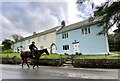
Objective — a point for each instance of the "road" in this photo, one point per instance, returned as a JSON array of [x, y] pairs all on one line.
[[49, 72]]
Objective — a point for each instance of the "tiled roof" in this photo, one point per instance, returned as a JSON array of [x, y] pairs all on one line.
[[39, 34], [42, 33], [77, 25]]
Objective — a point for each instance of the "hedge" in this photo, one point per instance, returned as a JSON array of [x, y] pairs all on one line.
[[52, 62], [81, 63], [96, 63]]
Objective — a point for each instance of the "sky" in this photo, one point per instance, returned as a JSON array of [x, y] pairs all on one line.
[[23, 17]]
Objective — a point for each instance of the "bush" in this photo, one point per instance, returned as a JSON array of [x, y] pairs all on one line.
[[50, 62], [66, 54], [8, 51], [11, 60], [96, 63]]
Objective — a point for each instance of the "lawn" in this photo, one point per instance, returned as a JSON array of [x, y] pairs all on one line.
[[100, 56], [56, 56], [115, 52], [10, 55], [53, 56], [96, 56]]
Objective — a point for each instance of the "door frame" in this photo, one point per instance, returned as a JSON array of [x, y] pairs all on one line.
[[76, 42]]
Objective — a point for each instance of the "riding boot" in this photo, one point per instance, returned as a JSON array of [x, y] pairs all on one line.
[[31, 55]]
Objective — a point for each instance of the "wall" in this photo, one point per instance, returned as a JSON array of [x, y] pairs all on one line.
[[89, 43], [45, 42], [39, 41]]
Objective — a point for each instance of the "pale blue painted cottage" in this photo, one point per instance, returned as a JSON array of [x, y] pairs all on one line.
[[81, 38]]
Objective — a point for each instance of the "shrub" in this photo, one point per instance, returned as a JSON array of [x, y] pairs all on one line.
[[8, 51], [66, 54], [96, 63]]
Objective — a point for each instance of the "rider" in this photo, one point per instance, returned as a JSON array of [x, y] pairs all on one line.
[[32, 48]]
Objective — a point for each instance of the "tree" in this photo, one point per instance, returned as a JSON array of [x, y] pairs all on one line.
[[7, 44], [17, 37], [109, 14]]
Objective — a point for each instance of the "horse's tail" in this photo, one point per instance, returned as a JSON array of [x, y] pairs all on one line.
[[21, 55]]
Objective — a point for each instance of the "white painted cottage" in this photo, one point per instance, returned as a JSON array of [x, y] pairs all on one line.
[[45, 39]]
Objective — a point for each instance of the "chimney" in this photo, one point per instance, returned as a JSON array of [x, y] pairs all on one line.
[[34, 33], [61, 26], [63, 23]]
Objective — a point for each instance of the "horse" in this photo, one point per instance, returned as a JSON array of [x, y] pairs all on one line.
[[37, 53]]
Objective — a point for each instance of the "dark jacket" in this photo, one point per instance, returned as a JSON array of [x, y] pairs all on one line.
[[32, 47]]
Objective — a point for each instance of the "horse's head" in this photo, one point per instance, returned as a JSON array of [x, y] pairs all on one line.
[[46, 51], [43, 51]]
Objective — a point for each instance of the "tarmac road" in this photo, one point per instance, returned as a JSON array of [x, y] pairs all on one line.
[[49, 72]]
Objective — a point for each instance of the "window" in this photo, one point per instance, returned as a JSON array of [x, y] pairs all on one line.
[[38, 39], [67, 35], [41, 47], [82, 31], [64, 35], [45, 37], [65, 47], [86, 30]]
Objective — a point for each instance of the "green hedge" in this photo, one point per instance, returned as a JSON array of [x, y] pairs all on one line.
[[50, 62], [10, 60], [96, 63], [47, 62]]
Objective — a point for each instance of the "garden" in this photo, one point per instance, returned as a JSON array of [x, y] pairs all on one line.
[[114, 54], [82, 61]]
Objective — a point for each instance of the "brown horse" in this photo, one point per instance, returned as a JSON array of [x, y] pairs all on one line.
[[25, 55]]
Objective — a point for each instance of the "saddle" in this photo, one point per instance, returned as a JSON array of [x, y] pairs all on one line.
[[31, 55]]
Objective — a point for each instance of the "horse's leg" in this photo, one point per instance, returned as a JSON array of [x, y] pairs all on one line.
[[34, 63], [37, 63], [22, 63], [27, 63]]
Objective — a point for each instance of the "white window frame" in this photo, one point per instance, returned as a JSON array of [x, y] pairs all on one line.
[[65, 35], [66, 47], [86, 30]]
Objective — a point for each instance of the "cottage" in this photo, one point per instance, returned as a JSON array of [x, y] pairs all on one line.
[[77, 38], [45, 39], [81, 38]]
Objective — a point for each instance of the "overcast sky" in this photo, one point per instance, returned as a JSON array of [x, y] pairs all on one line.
[[25, 17]]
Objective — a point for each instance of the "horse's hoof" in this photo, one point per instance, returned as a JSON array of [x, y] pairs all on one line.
[[33, 67]]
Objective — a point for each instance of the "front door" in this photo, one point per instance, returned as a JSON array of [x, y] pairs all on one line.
[[76, 48], [53, 49]]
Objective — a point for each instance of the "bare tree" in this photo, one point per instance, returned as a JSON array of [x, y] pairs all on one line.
[[17, 37]]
